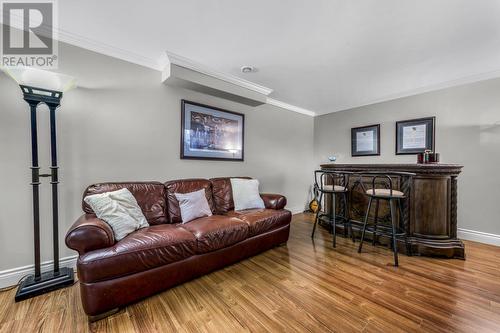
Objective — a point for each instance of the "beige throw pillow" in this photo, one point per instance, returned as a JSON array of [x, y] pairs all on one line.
[[120, 210]]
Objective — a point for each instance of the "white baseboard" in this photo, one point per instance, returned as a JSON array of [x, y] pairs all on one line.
[[479, 236], [296, 210], [11, 277]]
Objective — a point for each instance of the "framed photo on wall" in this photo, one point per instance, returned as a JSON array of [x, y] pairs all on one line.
[[415, 136], [210, 133], [365, 141]]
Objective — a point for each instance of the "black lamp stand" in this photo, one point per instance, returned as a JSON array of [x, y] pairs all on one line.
[[40, 283]]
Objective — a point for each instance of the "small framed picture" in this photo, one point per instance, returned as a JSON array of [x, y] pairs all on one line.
[[365, 141], [415, 136], [210, 133]]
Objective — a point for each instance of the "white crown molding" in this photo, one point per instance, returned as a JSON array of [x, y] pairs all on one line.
[[10, 277], [92, 45], [290, 107], [109, 50], [159, 65], [421, 90], [478, 236], [190, 64]]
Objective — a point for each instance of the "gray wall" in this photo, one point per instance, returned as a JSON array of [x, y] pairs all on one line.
[[467, 133], [123, 124]]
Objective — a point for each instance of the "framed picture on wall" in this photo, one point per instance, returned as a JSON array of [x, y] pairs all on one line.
[[210, 133], [365, 141], [415, 136]]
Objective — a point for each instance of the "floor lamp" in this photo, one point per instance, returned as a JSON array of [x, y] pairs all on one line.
[[40, 86]]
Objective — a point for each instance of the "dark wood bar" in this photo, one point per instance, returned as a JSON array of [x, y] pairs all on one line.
[[429, 212]]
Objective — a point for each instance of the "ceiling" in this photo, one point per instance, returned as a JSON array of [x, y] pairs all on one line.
[[321, 55]]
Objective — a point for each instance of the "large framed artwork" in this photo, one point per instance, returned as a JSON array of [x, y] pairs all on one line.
[[415, 136], [365, 141], [210, 133]]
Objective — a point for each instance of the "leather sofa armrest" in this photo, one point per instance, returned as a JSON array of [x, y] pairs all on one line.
[[273, 201], [89, 233]]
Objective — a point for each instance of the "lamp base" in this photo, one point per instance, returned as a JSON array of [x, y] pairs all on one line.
[[49, 281]]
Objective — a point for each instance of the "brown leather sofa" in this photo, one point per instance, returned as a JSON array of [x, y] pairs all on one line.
[[113, 274]]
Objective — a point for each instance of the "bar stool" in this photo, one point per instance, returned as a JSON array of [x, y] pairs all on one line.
[[332, 184], [393, 197]]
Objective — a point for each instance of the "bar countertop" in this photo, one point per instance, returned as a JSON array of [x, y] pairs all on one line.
[[409, 167]]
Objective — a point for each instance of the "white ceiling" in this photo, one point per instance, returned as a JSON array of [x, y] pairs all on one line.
[[321, 55]]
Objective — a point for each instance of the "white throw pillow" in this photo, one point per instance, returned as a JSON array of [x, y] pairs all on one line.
[[120, 210], [246, 194], [193, 205]]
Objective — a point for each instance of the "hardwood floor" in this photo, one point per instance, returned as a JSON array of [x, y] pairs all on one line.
[[303, 286]]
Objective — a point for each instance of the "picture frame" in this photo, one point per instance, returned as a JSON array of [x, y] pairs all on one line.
[[365, 141], [211, 133], [415, 135]]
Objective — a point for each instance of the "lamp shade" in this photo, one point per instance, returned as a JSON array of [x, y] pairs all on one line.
[[39, 78]]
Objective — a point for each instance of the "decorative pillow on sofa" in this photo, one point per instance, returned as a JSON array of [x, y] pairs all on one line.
[[193, 205], [120, 210], [246, 194]]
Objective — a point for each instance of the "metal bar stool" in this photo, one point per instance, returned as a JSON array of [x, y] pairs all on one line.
[[332, 183], [394, 198]]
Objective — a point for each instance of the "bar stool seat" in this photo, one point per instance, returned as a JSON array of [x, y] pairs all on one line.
[[385, 193], [334, 188]]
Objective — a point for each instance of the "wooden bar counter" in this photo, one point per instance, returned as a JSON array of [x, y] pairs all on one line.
[[429, 212]]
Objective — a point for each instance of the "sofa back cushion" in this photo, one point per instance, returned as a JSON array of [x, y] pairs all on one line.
[[223, 194], [185, 186], [150, 196]]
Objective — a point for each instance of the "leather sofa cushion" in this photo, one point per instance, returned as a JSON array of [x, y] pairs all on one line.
[[262, 220], [223, 194], [217, 231], [150, 196], [141, 250], [185, 186]]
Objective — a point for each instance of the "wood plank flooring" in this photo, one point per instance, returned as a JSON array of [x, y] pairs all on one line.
[[304, 287]]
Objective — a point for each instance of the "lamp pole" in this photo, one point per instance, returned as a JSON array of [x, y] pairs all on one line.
[[35, 183], [54, 182], [40, 283]]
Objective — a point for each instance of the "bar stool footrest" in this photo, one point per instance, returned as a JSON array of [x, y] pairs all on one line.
[[328, 219], [382, 230]]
